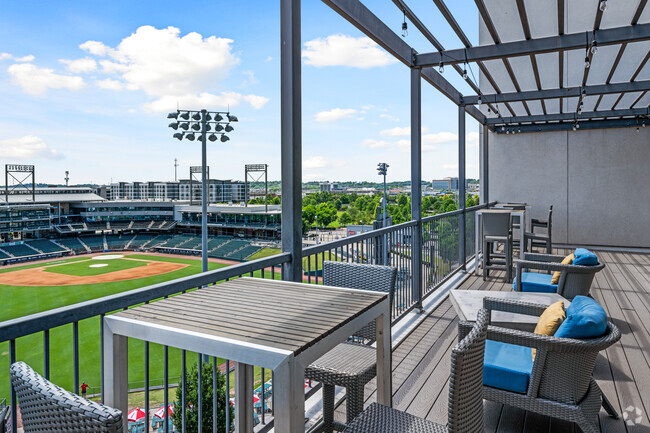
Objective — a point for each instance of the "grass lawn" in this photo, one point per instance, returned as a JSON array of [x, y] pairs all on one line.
[[265, 252], [20, 301], [84, 269]]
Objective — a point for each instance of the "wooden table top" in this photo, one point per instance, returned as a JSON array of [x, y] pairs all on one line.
[[278, 314]]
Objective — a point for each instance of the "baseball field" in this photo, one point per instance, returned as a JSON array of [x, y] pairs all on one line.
[[42, 286]]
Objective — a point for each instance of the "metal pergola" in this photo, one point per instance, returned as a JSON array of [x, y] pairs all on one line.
[[579, 98]]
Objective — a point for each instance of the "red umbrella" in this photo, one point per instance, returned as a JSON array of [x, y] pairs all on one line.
[[136, 414], [256, 399], [160, 413]]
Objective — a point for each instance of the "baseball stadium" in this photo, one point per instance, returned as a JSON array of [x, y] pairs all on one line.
[[67, 245]]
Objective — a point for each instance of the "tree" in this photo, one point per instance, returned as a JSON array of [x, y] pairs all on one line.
[[309, 214], [275, 200], [345, 219], [403, 200], [326, 214], [191, 399]]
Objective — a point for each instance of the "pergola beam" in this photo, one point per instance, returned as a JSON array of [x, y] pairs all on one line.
[[568, 116], [368, 23], [567, 126], [568, 92], [572, 41]]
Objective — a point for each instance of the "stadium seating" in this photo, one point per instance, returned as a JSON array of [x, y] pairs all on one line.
[[20, 250], [140, 239], [45, 245], [117, 242], [73, 244], [177, 241], [3, 255], [158, 241], [95, 243], [243, 253]]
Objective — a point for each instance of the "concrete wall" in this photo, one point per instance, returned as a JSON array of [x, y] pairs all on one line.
[[598, 182]]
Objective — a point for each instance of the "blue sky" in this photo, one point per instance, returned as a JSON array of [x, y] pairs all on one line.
[[86, 87]]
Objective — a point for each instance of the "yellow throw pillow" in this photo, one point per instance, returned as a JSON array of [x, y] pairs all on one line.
[[567, 261], [550, 320]]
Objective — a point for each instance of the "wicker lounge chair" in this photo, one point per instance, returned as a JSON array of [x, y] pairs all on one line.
[[46, 407], [465, 396], [560, 383], [350, 364], [574, 279]]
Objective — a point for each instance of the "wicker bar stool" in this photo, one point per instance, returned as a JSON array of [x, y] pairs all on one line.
[[350, 364], [465, 394], [46, 407]]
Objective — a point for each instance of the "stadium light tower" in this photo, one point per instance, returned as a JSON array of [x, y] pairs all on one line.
[[210, 125], [382, 168]]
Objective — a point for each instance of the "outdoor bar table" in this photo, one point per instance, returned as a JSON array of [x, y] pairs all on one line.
[[524, 222], [279, 325]]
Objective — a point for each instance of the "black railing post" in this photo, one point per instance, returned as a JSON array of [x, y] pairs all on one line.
[[461, 185], [416, 187]]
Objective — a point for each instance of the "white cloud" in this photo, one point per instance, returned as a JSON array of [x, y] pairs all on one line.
[[472, 139], [95, 48], [334, 114], [27, 147], [109, 84], [450, 166], [439, 138], [376, 144], [397, 131], [80, 66], [343, 50], [389, 117], [7, 56], [173, 69], [36, 81], [250, 78], [315, 162]]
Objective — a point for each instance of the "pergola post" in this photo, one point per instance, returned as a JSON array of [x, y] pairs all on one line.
[[483, 164], [461, 185], [416, 186], [291, 138]]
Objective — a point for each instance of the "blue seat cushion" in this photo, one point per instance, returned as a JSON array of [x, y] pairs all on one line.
[[585, 318], [585, 257], [535, 282], [507, 366]]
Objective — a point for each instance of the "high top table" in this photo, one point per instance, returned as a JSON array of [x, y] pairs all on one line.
[[279, 325]]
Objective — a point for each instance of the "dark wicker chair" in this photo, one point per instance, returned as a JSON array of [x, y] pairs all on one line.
[[561, 383], [46, 407], [574, 279], [350, 364], [465, 396]]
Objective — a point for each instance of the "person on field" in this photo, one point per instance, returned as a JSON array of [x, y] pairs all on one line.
[[84, 387]]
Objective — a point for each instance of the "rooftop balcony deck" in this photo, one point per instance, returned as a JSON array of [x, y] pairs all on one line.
[[421, 362]]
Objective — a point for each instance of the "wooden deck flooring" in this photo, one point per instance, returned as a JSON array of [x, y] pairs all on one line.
[[421, 363]]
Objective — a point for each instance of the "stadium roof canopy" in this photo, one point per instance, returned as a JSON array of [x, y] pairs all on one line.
[[531, 60], [47, 195]]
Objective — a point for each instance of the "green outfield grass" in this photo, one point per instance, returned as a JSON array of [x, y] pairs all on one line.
[[20, 301], [265, 252], [84, 269]]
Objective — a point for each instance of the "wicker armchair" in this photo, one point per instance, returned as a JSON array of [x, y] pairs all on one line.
[[561, 383], [350, 364], [574, 279], [46, 407], [465, 397]]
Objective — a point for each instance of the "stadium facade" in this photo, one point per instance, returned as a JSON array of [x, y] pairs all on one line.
[[67, 220]]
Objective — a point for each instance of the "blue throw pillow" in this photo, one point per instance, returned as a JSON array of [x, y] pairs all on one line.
[[585, 318], [585, 257]]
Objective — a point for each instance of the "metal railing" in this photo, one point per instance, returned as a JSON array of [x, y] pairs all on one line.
[[69, 331]]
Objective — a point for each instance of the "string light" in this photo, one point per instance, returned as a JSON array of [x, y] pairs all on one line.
[[441, 67], [603, 5], [594, 47], [405, 31], [587, 64], [480, 101], [465, 77]]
